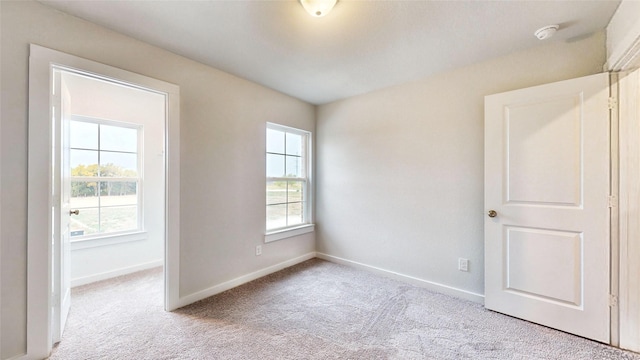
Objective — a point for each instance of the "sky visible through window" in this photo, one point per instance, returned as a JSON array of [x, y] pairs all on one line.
[[118, 145]]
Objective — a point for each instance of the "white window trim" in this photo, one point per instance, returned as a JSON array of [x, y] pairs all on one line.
[[109, 239], [308, 226], [288, 232]]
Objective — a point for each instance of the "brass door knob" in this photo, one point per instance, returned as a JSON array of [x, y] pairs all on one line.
[[74, 212], [492, 213]]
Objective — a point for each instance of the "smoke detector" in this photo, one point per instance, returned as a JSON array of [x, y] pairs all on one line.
[[546, 32]]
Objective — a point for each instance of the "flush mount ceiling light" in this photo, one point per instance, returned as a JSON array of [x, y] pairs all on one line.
[[546, 32], [318, 8]]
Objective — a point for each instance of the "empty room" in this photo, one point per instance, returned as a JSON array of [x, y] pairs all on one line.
[[319, 179]]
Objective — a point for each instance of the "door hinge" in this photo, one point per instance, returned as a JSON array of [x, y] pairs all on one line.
[[613, 300], [613, 201], [612, 103]]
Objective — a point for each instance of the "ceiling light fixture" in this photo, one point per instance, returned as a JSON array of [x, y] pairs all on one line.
[[318, 8]]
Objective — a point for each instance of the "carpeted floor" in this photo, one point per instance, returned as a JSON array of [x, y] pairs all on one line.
[[314, 310]]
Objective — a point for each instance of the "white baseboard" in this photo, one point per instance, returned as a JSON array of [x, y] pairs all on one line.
[[433, 286], [19, 357], [117, 272], [203, 294]]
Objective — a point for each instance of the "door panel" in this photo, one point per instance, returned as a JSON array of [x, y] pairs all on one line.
[[543, 147], [62, 246], [529, 248], [547, 177], [65, 212]]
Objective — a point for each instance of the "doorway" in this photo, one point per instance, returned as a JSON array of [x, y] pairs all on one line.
[[109, 177], [101, 178]]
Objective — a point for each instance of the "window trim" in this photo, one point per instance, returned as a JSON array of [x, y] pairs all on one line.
[[109, 239], [308, 225], [288, 232]]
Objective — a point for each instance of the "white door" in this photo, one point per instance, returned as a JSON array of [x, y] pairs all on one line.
[[62, 246], [547, 181]]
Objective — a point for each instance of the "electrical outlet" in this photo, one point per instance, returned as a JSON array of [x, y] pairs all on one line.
[[258, 250], [463, 264]]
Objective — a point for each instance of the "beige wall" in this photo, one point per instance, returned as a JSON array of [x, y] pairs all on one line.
[[222, 155], [400, 171]]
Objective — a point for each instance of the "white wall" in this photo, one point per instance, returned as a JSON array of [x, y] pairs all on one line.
[[99, 99], [222, 155], [400, 170]]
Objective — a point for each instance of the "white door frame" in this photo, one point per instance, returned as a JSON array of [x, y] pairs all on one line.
[[623, 54], [629, 210], [39, 234]]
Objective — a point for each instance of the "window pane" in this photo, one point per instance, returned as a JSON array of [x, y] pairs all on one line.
[[294, 166], [294, 214], [294, 144], [275, 141], [294, 191], [84, 194], [85, 223], [113, 193], [118, 138], [276, 216], [83, 135], [286, 200], [119, 218], [276, 192], [275, 165], [83, 162], [118, 164]]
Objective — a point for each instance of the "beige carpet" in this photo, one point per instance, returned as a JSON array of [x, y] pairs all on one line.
[[315, 310]]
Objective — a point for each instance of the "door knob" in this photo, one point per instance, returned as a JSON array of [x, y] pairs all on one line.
[[74, 212], [492, 213]]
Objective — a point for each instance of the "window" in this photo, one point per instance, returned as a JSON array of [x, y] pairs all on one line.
[[288, 178], [104, 161]]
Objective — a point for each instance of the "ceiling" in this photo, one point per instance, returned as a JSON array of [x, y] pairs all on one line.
[[359, 47]]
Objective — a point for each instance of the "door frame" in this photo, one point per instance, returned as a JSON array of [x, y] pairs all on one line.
[[628, 211], [40, 200], [623, 56]]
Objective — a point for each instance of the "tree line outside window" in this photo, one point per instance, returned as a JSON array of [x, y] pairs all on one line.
[[104, 188]]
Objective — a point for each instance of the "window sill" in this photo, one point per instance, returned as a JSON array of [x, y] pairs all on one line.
[[287, 233], [107, 240]]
